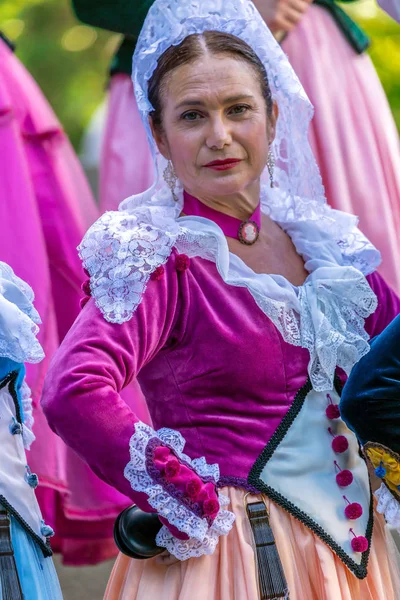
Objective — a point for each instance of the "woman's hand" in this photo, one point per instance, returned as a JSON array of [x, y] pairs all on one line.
[[282, 15]]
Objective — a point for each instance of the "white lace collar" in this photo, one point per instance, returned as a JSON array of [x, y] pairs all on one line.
[[325, 315]]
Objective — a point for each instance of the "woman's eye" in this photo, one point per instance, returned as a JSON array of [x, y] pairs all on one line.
[[191, 116], [239, 109]]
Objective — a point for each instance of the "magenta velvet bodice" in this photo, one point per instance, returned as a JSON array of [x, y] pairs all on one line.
[[211, 364]]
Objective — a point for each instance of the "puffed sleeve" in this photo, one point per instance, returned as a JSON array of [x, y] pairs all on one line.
[[83, 405], [388, 305]]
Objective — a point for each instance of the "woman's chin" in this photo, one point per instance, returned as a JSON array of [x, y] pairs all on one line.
[[225, 185]]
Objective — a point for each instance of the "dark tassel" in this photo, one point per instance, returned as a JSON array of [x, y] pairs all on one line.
[[272, 581], [10, 585]]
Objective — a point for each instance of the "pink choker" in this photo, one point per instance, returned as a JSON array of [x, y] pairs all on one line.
[[247, 232]]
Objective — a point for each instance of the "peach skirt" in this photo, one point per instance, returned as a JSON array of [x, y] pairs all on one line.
[[312, 571]]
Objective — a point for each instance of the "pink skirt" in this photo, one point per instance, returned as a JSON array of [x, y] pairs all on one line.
[[126, 163], [312, 570], [353, 134], [45, 208]]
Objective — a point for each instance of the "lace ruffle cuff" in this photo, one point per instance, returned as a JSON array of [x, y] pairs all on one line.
[[181, 490], [387, 467]]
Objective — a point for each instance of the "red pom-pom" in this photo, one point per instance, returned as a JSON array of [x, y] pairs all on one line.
[[340, 444], [359, 544], [172, 468], [332, 411], [83, 301], [157, 273], [353, 511], [193, 488], [182, 262], [85, 287], [344, 478], [211, 507]]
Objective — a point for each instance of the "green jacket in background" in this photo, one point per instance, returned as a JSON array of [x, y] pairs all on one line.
[[122, 16], [127, 17]]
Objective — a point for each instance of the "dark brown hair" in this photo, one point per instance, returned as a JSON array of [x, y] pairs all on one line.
[[192, 49]]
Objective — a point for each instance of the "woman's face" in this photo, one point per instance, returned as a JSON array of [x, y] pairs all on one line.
[[215, 128]]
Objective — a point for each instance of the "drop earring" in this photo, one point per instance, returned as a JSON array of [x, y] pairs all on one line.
[[170, 179], [271, 166]]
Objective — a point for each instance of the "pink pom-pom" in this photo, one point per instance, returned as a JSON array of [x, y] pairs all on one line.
[[359, 544], [172, 468], [83, 301], [161, 453], [332, 411], [157, 273], [211, 507], [340, 444], [85, 287], [193, 488], [344, 478], [353, 511], [182, 262]]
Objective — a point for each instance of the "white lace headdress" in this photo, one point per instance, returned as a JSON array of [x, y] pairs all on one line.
[[122, 248]]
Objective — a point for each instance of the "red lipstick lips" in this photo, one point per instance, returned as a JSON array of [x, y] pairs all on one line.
[[223, 165]]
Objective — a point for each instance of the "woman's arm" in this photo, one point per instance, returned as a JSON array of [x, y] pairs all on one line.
[[82, 402], [282, 15]]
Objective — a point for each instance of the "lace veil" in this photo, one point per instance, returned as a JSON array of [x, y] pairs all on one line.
[[299, 193]]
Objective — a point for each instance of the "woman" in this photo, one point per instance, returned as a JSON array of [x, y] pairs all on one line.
[[45, 208], [237, 364], [353, 135], [370, 406], [26, 569]]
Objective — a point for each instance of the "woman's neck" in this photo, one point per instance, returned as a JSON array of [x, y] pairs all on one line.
[[241, 205]]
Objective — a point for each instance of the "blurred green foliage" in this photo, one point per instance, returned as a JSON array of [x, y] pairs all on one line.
[[70, 61]]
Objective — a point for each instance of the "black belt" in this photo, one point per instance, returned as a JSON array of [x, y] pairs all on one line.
[[271, 578]]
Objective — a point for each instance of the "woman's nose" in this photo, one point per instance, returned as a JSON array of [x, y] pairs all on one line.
[[219, 134]]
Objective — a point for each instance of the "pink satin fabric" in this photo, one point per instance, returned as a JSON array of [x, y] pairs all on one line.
[[312, 571], [45, 207], [126, 163]]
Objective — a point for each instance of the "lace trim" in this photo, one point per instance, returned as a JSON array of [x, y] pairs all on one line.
[[120, 251], [169, 486], [165, 504], [388, 506], [193, 548]]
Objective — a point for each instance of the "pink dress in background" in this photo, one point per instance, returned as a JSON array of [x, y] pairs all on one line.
[[126, 163], [353, 135], [45, 208]]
